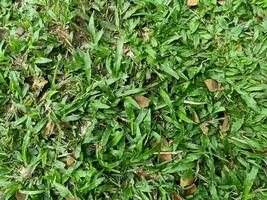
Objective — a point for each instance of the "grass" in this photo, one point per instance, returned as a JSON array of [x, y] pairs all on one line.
[[133, 99]]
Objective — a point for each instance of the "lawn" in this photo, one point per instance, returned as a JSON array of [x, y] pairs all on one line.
[[137, 99]]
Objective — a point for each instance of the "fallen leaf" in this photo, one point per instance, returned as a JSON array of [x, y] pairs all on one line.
[[204, 127], [259, 19], [38, 83], [48, 128], [84, 128], [186, 182], [191, 190], [19, 31], [225, 126], [196, 118], [165, 156], [144, 174], [221, 2], [20, 63], [25, 172], [231, 164], [20, 196], [192, 2], [145, 33], [127, 51], [212, 85], [3, 33], [177, 197], [142, 101], [70, 161]]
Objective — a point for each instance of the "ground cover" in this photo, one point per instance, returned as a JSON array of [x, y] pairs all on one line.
[[153, 99]]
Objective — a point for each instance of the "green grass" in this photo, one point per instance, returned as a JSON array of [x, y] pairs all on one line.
[[150, 99]]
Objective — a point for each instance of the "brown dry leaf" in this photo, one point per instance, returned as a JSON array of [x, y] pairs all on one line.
[[25, 172], [225, 126], [265, 149], [177, 197], [38, 83], [19, 31], [231, 164], [84, 128], [145, 33], [258, 19], [20, 196], [186, 182], [127, 51], [212, 85], [165, 156], [204, 127], [221, 2], [112, 8], [142, 101], [192, 2], [20, 63], [196, 118], [3, 33], [144, 174], [63, 34], [191, 190], [70, 161], [48, 128]]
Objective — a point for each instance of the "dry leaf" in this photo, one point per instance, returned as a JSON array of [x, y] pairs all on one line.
[[221, 2], [165, 156], [258, 19], [177, 197], [84, 128], [127, 51], [212, 85], [145, 33], [231, 164], [186, 182], [225, 126], [20, 196], [70, 161], [142, 101], [191, 190], [144, 174], [196, 118], [48, 128], [63, 34], [3, 33], [19, 31], [20, 63], [25, 172], [192, 2], [38, 83], [204, 127]]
